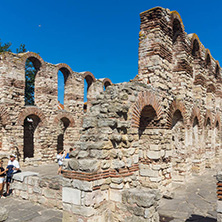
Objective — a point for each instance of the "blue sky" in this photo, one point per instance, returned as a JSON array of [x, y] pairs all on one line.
[[100, 36]]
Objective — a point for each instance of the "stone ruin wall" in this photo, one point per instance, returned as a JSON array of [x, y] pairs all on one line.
[[159, 129], [135, 138], [52, 121]]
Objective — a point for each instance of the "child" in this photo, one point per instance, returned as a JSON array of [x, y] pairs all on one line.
[[2, 178], [60, 157]]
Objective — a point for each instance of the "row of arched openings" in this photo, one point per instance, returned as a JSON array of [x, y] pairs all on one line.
[[33, 66], [178, 39], [32, 135]]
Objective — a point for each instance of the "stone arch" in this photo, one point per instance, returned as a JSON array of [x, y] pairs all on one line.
[[89, 77], [31, 111], [217, 121], [145, 98], [208, 116], [195, 46], [107, 82], [66, 72], [196, 114], [89, 94], [34, 63], [174, 106], [200, 80], [63, 122], [30, 137], [65, 69], [34, 58], [64, 115], [208, 138], [177, 26], [176, 15]]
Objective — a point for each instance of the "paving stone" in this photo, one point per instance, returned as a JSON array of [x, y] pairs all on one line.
[[193, 201]]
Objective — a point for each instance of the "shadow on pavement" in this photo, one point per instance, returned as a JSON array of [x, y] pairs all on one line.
[[193, 217], [198, 218]]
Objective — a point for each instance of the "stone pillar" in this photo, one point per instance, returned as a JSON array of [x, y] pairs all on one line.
[[155, 48]]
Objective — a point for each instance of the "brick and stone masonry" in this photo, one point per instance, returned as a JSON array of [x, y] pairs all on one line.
[[158, 129], [134, 139]]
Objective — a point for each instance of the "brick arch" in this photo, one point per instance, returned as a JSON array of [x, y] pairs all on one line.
[[144, 99], [175, 16], [196, 113], [174, 106], [200, 80], [107, 81], [65, 69], [195, 40], [37, 60], [208, 55], [210, 116], [64, 115], [31, 111], [217, 119], [4, 116], [89, 75]]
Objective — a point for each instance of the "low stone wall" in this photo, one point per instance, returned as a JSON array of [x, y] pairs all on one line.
[[82, 202], [45, 191]]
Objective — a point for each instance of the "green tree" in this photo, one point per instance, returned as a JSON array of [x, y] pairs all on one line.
[[30, 72], [5, 47]]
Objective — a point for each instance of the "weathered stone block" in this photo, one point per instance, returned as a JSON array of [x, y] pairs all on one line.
[[71, 195]]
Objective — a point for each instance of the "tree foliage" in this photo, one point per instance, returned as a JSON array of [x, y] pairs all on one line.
[[30, 72]]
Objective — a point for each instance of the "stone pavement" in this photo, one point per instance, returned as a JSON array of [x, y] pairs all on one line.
[[195, 201], [49, 170], [23, 210]]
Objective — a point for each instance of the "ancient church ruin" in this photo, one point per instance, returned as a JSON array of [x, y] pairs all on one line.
[[135, 139]]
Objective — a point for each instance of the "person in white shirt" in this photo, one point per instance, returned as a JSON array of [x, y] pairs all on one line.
[[13, 167], [59, 158]]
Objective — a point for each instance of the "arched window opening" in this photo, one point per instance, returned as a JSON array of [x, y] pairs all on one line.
[[217, 72], [32, 66], [217, 125], [177, 30], [61, 90], [63, 125], [87, 91], [63, 76], [195, 131], [208, 123], [177, 117], [30, 124], [208, 134], [208, 60], [147, 119], [178, 147], [217, 139], [106, 84], [195, 49]]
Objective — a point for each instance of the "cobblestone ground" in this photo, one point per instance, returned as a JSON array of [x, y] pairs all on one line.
[[23, 210], [194, 201]]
